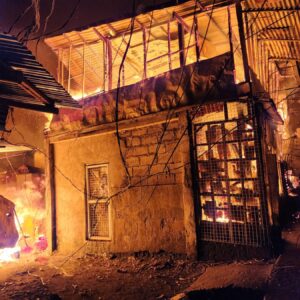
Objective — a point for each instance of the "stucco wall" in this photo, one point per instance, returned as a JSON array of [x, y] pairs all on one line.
[[149, 216]]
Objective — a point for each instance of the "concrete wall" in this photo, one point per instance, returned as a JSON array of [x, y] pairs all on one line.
[[149, 216]]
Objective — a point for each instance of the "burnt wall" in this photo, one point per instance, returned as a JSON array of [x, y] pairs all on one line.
[[151, 215]]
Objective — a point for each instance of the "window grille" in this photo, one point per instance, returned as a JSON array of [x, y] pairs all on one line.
[[98, 208], [231, 193]]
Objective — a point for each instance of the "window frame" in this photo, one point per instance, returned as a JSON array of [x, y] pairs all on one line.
[[89, 201]]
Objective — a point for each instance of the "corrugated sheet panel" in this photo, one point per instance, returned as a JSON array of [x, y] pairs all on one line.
[[17, 57], [278, 22]]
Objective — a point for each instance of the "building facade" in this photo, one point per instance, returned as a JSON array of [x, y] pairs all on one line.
[[172, 148]]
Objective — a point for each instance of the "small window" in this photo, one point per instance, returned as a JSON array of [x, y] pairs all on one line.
[[98, 207]]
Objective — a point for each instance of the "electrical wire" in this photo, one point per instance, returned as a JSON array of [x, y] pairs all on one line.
[[129, 186], [74, 10], [170, 113], [118, 94], [185, 130], [49, 16]]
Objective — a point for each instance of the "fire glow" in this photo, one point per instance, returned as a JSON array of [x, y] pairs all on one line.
[[25, 192]]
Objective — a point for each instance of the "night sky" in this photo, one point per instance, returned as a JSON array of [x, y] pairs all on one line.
[[88, 12]]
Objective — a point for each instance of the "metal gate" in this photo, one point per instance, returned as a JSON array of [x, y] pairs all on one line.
[[230, 179]]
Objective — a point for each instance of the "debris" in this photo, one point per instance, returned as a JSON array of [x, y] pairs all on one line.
[[181, 296]]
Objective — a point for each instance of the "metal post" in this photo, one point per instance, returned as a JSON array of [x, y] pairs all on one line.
[[197, 38], [83, 70], [69, 68], [62, 68], [109, 62], [59, 66], [181, 44], [230, 41], [169, 46], [239, 14], [144, 30], [108, 56]]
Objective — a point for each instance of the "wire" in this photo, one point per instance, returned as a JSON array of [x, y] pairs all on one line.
[[151, 175], [129, 186], [209, 91], [169, 115], [60, 27], [118, 94], [45, 26], [49, 16]]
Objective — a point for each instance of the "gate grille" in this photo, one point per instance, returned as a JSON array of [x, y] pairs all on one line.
[[230, 184]]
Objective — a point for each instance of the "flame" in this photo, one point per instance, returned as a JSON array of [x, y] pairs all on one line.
[[222, 218], [27, 193], [49, 118], [9, 254], [249, 127]]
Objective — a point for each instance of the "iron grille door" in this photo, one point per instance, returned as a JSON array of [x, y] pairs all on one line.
[[98, 208], [230, 182]]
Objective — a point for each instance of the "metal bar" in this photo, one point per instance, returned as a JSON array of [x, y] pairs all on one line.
[[242, 40], [231, 41], [144, 46], [181, 44], [249, 41], [198, 50], [69, 68], [108, 56], [271, 9], [83, 75], [279, 40], [228, 196], [169, 46], [59, 65], [62, 69], [273, 58]]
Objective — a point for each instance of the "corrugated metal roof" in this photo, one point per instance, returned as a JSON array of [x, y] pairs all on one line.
[[122, 26], [29, 83], [283, 37]]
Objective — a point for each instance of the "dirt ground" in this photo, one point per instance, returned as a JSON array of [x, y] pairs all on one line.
[[140, 276], [131, 277]]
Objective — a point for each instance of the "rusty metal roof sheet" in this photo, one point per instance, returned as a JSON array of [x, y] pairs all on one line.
[[26, 83], [283, 37]]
